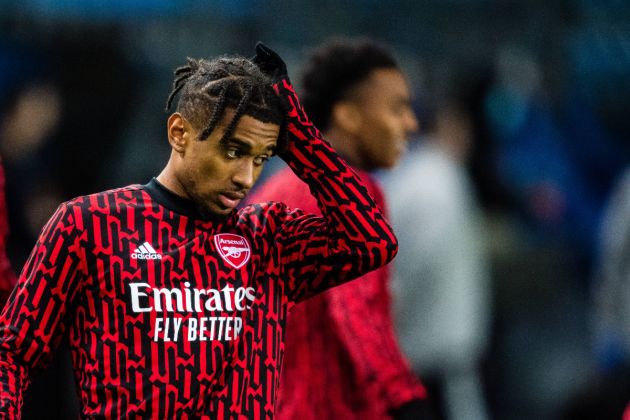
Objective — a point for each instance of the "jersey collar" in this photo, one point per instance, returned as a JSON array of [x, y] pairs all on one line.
[[176, 203]]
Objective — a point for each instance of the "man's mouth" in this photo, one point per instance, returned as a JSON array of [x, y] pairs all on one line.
[[231, 199]]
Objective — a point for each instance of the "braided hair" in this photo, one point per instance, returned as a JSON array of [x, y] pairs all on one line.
[[208, 88]]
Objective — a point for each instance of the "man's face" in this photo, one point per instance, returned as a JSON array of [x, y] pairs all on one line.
[[217, 175], [383, 102]]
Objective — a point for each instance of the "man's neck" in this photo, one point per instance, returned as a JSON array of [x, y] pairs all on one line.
[[168, 179]]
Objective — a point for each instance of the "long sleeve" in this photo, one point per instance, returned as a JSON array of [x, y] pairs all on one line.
[[31, 324], [353, 236]]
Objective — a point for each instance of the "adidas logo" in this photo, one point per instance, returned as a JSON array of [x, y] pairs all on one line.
[[145, 252]]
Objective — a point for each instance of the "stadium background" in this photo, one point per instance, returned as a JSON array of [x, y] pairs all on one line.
[[98, 73]]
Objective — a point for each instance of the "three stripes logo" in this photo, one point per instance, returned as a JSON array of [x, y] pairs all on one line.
[[145, 252]]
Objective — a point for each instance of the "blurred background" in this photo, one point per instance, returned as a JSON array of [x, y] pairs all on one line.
[[542, 85]]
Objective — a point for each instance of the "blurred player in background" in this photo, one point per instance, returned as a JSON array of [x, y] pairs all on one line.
[[342, 359]]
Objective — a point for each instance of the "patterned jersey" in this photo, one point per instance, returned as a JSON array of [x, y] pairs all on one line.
[[172, 315], [7, 277], [342, 340]]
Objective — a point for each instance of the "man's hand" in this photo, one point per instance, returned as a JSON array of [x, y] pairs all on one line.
[[414, 410], [270, 63]]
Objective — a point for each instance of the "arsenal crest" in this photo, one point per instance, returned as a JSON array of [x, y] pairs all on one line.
[[234, 249]]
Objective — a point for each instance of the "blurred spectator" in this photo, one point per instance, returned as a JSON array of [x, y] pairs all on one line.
[[25, 120], [607, 393], [556, 165], [612, 282], [532, 160], [342, 359], [25, 138], [605, 396], [441, 286], [7, 276]]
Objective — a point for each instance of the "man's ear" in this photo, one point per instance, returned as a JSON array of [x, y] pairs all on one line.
[[177, 128], [346, 116]]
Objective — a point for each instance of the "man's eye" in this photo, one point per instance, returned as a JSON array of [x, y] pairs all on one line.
[[399, 109], [259, 160], [232, 153]]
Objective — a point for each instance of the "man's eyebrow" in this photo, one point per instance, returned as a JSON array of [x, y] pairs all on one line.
[[245, 146], [237, 142], [407, 100]]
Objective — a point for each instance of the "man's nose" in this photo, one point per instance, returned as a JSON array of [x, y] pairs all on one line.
[[244, 174], [411, 122]]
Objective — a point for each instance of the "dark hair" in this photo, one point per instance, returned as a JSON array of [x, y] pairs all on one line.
[[335, 67], [208, 88]]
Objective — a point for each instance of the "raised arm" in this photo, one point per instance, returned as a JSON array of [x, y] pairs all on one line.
[[31, 323], [352, 237]]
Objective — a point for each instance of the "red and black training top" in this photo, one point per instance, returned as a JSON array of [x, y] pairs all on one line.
[[170, 315]]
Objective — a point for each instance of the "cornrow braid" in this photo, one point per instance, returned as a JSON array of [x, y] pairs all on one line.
[[208, 89], [182, 73], [217, 112], [240, 109]]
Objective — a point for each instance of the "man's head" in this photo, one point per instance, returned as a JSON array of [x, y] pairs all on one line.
[[226, 125], [355, 92]]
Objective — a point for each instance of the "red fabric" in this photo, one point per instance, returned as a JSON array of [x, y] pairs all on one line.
[[626, 414], [7, 277], [342, 359]]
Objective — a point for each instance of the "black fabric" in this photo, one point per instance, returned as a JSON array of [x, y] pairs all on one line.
[[176, 203], [414, 410]]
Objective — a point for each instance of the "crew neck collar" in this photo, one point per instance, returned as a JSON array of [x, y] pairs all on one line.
[[176, 203]]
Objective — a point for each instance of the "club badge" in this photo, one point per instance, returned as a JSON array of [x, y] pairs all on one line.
[[234, 249]]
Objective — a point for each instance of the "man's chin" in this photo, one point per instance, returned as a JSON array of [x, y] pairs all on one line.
[[213, 212], [387, 163]]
